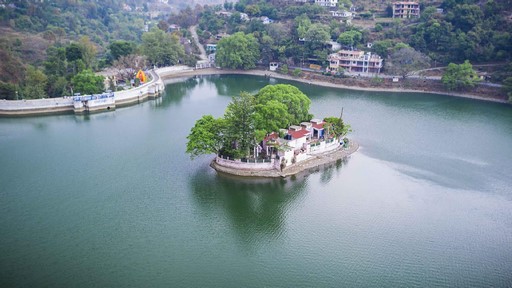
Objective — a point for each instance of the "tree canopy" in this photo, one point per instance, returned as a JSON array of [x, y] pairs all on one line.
[[460, 76], [121, 48], [297, 103], [35, 83], [86, 82], [404, 61], [161, 49], [247, 119], [336, 126], [206, 137], [238, 51]]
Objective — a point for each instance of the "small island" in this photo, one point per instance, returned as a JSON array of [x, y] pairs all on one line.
[[270, 134]]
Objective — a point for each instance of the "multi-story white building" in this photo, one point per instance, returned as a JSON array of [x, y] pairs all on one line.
[[327, 3], [406, 9], [355, 61]]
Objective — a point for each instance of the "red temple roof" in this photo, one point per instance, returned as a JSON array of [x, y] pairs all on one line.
[[298, 134]]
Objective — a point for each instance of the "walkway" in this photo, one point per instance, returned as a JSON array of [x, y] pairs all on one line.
[[193, 31]]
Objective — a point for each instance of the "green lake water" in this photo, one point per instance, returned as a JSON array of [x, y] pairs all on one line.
[[112, 200]]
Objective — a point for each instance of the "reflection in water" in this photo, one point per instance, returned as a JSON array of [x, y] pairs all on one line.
[[174, 94], [332, 169], [232, 85], [255, 208]]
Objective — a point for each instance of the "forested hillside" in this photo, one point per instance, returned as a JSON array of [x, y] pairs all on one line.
[[449, 31], [44, 44], [51, 41]]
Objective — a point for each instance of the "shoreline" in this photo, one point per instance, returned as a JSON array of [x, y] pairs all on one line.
[[263, 73], [63, 105], [309, 165]]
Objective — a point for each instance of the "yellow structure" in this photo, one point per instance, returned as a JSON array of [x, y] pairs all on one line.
[[142, 76]]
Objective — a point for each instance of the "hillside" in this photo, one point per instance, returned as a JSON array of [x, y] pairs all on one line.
[[448, 31]]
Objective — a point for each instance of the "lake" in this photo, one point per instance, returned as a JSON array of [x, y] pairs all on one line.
[[112, 200]]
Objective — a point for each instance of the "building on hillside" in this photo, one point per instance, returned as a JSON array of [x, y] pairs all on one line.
[[174, 27], [211, 48], [342, 14], [355, 62], [327, 3], [333, 45], [244, 17], [221, 35], [406, 9], [266, 20], [225, 14]]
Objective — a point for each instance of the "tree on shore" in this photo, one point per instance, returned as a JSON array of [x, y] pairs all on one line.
[[120, 48], [459, 76], [162, 49], [86, 82], [35, 83], [238, 51], [404, 61]]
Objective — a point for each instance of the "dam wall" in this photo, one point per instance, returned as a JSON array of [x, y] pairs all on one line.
[[60, 105]]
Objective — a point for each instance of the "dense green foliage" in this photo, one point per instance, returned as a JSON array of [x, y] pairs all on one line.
[[162, 49], [102, 20], [239, 51], [248, 118], [459, 77], [86, 83], [80, 35], [297, 103], [240, 125], [336, 126], [206, 137], [76, 35], [121, 48], [35, 83], [468, 29]]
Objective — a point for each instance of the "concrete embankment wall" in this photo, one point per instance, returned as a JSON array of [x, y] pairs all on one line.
[[237, 164], [36, 106], [150, 90], [173, 70]]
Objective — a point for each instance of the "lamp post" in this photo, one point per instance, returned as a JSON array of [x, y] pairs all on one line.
[[16, 94]]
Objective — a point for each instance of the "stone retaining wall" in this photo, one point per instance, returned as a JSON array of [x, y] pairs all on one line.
[[237, 164]]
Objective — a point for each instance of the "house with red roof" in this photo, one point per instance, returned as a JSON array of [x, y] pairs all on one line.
[[299, 142]]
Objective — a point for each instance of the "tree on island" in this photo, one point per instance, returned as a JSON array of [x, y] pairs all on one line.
[[207, 136], [240, 125], [248, 118], [336, 126]]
